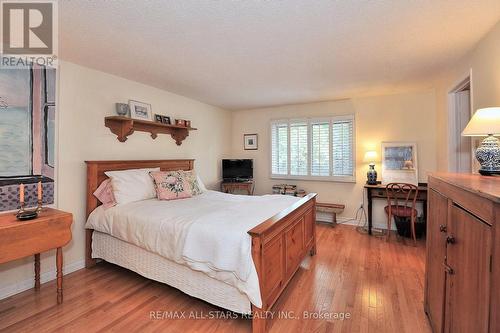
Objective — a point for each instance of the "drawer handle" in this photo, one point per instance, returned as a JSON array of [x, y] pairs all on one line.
[[448, 269], [442, 228], [450, 240]]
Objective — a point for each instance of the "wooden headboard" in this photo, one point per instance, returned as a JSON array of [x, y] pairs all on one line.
[[96, 169]]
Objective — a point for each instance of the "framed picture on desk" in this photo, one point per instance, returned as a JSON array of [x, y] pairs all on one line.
[[399, 162]]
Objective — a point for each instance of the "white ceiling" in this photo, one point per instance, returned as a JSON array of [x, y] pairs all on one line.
[[253, 53]]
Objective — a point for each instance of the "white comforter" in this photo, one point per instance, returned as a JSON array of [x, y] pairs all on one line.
[[207, 233]]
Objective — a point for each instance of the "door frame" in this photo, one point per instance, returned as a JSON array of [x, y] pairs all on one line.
[[466, 80]]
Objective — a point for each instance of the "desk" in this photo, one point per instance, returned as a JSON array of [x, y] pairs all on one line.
[[378, 192], [50, 230], [230, 187]]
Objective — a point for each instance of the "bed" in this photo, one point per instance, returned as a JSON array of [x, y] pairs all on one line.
[[276, 244]]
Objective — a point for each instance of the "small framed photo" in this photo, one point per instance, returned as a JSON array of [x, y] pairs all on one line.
[[166, 120], [158, 118], [140, 110], [250, 141]]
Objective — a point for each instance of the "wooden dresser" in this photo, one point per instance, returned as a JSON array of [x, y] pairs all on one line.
[[462, 280]]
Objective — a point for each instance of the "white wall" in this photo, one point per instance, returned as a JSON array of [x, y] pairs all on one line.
[[484, 64], [402, 117], [85, 97]]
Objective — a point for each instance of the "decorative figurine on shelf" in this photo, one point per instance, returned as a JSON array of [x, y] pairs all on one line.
[[122, 109], [371, 175], [24, 214]]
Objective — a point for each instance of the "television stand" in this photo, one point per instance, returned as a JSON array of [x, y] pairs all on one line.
[[232, 186]]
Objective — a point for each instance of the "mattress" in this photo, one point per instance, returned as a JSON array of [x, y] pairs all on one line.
[[158, 268], [208, 232]]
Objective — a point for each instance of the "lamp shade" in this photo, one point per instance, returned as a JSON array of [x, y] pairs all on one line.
[[483, 122], [370, 156]]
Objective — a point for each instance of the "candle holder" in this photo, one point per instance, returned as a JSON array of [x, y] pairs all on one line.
[[28, 214]]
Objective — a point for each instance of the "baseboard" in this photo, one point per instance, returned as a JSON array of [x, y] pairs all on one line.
[[26, 284], [348, 221], [340, 220]]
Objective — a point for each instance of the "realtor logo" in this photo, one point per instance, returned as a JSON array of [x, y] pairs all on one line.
[[29, 33], [27, 27]]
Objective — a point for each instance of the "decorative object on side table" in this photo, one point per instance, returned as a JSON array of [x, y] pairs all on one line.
[[486, 122], [250, 141], [122, 109], [371, 157], [140, 110], [24, 214], [188, 123], [180, 122]]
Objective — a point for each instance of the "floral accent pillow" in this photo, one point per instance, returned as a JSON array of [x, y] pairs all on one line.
[[192, 179], [171, 185]]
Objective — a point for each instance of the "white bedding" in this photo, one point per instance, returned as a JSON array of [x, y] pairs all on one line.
[[208, 232]]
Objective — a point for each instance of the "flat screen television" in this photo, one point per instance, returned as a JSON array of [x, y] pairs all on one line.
[[237, 169]]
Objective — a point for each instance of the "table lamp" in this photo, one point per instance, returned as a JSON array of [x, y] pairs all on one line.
[[371, 156], [486, 122]]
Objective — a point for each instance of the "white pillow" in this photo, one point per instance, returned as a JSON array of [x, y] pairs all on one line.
[[200, 184], [132, 185]]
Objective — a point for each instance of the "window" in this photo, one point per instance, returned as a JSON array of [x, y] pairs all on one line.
[[316, 148]]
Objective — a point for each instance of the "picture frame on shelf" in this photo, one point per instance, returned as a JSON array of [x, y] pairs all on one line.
[[158, 118], [250, 141], [165, 120], [399, 163], [140, 110]]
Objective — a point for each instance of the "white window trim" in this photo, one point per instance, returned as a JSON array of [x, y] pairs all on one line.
[[313, 120]]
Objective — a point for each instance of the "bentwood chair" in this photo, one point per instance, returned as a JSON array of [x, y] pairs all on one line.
[[401, 203]]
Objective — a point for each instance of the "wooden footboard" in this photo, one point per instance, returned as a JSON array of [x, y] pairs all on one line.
[[278, 247]]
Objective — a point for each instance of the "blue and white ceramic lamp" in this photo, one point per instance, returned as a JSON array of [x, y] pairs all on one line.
[[371, 176], [486, 122]]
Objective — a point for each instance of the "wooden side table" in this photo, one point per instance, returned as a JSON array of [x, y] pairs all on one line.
[[230, 187], [50, 230]]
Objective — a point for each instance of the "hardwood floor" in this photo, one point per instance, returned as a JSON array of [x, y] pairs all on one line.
[[378, 284]]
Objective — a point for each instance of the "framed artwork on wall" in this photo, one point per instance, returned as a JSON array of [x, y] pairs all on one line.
[[399, 162], [250, 142], [140, 110]]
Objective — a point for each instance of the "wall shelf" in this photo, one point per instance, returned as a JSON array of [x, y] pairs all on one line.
[[124, 126]]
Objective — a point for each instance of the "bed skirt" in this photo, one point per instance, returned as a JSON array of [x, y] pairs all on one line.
[[158, 268]]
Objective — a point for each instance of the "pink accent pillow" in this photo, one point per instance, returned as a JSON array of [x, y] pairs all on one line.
[[104, 194], [171, 185]]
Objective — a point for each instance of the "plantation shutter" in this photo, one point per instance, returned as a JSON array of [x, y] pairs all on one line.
[[320, 148], [279, 143], [298, 148], [342, 147]]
